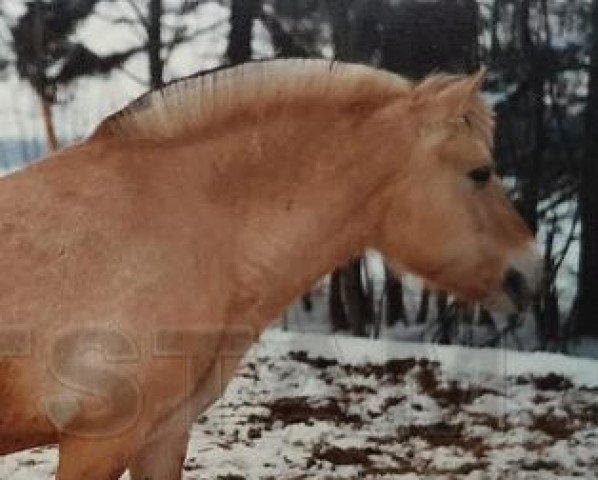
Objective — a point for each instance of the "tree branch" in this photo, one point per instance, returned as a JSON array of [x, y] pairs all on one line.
[[142, 19]]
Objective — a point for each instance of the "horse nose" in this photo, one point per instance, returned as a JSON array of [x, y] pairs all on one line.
[[522, 286], [514, 285]]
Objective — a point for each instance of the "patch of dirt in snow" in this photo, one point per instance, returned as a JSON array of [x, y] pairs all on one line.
[[296, 416], [406, 418]]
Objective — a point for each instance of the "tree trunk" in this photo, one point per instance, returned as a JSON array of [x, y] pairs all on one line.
[[547, 308], [357, 302], [48, 118], [587, 318], [445, 321], [338, 10], [395, 308], [422, 37], [285, 45], [424, 306], [306, 302], [494, 21], [336, 309], [156, 64], [366, 34], [536, 78], [242, 16]]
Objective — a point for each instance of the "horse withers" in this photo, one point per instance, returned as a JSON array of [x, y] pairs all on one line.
[[138, 266]]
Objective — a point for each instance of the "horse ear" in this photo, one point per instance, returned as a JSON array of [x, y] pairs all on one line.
[[478, 79], [457, 97]]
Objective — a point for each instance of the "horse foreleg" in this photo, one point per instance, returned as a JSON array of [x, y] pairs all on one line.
[[161, 459], [92, 459]]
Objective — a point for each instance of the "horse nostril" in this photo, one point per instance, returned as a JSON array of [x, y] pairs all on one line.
[[516, 288]]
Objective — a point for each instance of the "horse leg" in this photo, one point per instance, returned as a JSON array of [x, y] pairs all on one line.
[[161, 459], [92, 459], [163, 456]]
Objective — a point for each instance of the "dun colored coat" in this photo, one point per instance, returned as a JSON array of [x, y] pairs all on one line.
[[138, 266]]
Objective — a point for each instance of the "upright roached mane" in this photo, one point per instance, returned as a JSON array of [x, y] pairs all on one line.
[[188, 105]]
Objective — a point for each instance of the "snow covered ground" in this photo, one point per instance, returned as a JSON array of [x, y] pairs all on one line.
[[326, 407]]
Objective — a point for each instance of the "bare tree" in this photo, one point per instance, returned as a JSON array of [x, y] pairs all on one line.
[[46, 56], [336, 308], [422, 37], [587, 317], [154, 42], [158, 39], [242, 16], [393, 290]]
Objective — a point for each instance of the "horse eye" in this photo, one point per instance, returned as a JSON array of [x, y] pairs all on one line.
[[480, 176]]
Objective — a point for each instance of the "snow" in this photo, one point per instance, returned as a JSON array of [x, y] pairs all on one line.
[[458, 360], [320, 407]]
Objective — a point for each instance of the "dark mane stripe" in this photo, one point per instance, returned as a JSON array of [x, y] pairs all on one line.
[[199, 99]]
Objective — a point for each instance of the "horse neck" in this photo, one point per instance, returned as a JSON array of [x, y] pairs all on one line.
[[304, 194]]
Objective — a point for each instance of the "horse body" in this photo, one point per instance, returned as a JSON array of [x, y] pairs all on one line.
[[139, 266], [86, 250]]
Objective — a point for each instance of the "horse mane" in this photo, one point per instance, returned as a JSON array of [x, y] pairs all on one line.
[[205, 98], [190, 104]]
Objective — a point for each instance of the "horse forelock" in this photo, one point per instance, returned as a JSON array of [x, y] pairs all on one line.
[[481, 117], [202, 100]]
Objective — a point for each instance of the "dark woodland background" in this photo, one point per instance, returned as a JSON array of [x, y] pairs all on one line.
[[542, 57]]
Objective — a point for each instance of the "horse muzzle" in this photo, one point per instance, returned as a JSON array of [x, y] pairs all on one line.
[[521, 283], [519, 290]]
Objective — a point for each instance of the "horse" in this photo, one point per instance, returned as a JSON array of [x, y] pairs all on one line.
[[139, 265]]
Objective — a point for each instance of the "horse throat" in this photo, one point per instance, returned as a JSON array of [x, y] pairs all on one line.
[[287, 243]]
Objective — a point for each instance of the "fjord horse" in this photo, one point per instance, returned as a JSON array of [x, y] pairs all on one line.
[[138, 266]]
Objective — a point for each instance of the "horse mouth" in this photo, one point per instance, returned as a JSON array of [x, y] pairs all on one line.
[[516, 295], [516, 288], [502, 303]]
